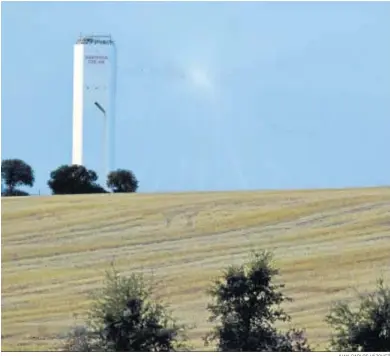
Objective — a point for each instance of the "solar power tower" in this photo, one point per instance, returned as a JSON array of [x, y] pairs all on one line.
[[94, 93]]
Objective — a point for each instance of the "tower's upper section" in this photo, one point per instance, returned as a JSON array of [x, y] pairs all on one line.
[[96, 40]]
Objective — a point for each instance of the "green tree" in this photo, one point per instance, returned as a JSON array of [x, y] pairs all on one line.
[[246, 305], [74, 179], [125, 317], [15, 172], [365, 329], [122, 181]]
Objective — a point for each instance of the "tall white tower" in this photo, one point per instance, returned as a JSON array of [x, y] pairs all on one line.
[[94, 89]]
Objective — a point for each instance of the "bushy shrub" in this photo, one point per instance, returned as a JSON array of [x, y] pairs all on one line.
[[246, 305], [365, 329], [125, 317]]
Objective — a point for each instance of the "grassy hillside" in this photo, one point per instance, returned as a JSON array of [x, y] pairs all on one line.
[[55, 251]]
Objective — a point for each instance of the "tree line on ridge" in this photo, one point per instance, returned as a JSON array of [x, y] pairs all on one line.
[[66, 179]]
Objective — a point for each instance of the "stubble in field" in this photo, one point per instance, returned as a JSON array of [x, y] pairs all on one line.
[[55, 251]]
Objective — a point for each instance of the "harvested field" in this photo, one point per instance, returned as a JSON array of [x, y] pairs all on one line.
[[55, 250]]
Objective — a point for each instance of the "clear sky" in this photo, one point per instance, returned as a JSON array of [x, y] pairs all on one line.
[[211, 96]]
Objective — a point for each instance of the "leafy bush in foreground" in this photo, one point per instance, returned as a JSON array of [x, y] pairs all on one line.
[[246, 306], [366, 329], [123, 317]]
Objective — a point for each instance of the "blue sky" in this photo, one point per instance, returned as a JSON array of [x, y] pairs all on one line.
[[211, 96]]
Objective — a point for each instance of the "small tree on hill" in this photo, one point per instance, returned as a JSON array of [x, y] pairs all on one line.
[[74, 179], [125, 318], [246, 305], [122, 181], [365, 329], [15, 172]]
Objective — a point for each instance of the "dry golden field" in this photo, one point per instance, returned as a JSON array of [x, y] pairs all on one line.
[[55, 251]]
